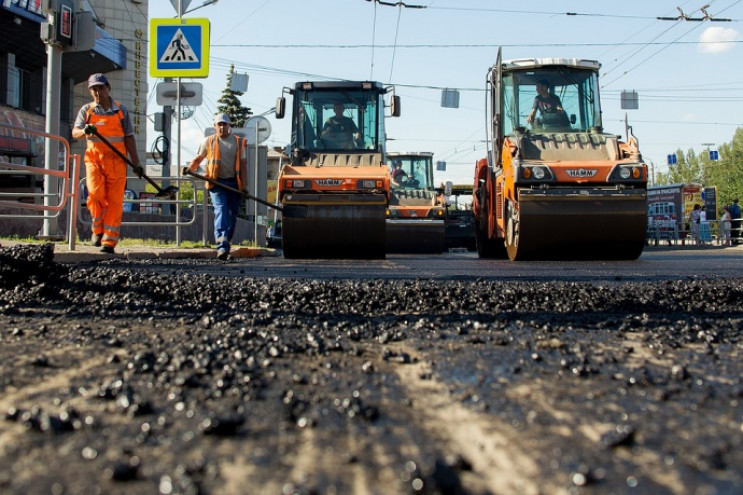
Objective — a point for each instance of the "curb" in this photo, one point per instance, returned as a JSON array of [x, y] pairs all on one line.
[[86, 253]]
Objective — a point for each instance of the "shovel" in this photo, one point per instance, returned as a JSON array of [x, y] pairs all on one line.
[[291, 211], [168, 192]]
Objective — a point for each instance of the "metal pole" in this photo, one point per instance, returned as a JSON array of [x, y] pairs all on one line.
[[178, 154], [50, 227], [255, 186]]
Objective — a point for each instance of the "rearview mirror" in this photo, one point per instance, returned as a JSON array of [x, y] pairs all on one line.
[[395, 106], [447, 188], [280, 107]]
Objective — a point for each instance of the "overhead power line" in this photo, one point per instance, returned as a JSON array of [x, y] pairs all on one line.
[[465, 45], [687, 17], [398, 4]]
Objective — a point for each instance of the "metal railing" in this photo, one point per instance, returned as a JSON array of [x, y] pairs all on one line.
[[706, 233], [65, 175], [69, 190], [151, 205]]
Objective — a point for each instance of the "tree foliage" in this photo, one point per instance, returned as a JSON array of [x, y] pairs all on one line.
[[726, 173], [230, 104]]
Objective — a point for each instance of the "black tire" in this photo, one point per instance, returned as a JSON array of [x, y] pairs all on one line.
[[487, 247]]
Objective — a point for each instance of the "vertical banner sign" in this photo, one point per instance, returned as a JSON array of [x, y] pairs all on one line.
[[64, 22], [179, 47]]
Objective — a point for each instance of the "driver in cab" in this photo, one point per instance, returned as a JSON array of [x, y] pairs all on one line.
[[340, 131], [398, 175], [546, 102]]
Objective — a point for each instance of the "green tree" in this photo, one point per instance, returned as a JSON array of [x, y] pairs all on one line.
[[686, 169], [726, 173], [230, 104]]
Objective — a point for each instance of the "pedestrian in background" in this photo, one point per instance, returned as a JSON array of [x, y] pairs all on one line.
[[705, 230], [725, 226], [227, 163], [735, 233], [105, 171], [694, 217]]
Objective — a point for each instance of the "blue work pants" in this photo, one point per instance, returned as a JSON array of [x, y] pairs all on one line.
[[226, 205]]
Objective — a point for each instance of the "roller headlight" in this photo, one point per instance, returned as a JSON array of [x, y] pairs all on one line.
[[369, 184], [628, 172], [536, 173], [295, 183]]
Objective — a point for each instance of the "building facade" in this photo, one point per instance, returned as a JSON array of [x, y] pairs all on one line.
[[119, 51]]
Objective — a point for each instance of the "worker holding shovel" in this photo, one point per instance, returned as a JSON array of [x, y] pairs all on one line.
[[107, 127], [226, 164]]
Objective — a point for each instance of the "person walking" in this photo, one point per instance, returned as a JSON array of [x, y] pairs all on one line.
[[694, 218], [105, 171], [227, 163], [735, 222], [725, 226]]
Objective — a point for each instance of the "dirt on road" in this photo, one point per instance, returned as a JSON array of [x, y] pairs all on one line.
[[115, 380]]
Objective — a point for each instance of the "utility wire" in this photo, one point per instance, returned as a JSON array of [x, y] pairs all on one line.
[[394, 46], [374, 36], [456, 45]]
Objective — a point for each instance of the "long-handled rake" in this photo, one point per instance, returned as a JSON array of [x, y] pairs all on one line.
[[167, 192], [292, 211]]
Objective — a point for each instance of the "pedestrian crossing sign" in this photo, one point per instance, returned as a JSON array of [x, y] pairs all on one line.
[[179, 47]]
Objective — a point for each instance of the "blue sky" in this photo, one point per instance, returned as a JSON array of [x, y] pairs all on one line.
[[688, 74]]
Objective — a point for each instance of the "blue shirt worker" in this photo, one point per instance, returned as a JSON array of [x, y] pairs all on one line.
[[105, 171], [227, 163]]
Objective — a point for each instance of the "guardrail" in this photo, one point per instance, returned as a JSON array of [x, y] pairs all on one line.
[[157, 206], [64, 188], [62, 179], [707, 232]]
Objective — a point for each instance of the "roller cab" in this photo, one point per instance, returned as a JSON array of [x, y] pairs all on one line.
[[337, 171], [417, 211], [555, 185]]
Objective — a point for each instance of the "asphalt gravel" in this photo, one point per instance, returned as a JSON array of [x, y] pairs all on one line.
[[115, 380]]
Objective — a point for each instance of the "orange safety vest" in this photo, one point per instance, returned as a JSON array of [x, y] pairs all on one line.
[[110, 126], [213, 156]]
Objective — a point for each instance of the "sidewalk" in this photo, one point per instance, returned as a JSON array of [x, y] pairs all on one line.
[[85, 252]]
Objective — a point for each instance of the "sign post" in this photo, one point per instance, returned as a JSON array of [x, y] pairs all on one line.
[[179, 48]]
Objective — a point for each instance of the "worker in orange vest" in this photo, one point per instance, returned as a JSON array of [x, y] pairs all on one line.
[[226, 162], [105, 172]]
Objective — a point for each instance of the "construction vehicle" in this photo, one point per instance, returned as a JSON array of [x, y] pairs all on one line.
[[416, 213], [337, 170], [460, 222], [554, 184]]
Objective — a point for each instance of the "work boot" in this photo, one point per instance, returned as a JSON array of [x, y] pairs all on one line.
[[222, 255], [107, 249], [95, 239]]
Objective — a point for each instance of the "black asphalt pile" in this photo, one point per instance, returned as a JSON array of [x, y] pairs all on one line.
[[29, 265], [117, 380]]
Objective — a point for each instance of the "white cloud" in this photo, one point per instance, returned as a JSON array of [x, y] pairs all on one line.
[[718, 39]]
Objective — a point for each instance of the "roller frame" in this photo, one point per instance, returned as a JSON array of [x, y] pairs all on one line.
[[337, 226], [576, 224]]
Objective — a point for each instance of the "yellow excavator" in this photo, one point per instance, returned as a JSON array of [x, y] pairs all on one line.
[[555, 184], [337, 171]]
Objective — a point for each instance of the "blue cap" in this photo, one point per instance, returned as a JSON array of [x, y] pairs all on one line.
[[97, 80]]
